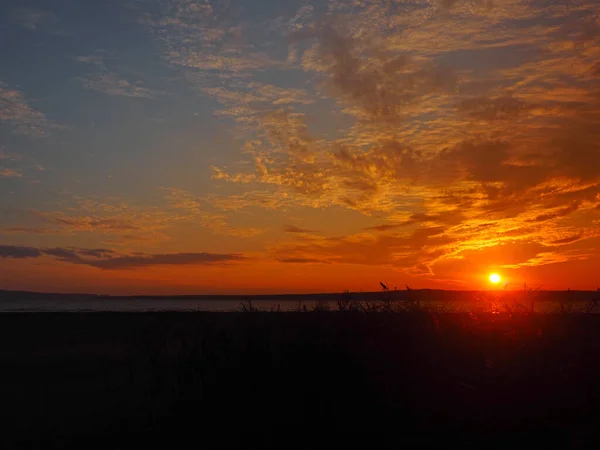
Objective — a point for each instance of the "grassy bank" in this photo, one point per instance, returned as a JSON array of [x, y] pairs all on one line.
[[288, 380]]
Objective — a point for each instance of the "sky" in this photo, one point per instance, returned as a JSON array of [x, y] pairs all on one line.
[[211, 147]]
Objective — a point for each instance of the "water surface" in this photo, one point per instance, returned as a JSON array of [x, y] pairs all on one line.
[[440, 301]]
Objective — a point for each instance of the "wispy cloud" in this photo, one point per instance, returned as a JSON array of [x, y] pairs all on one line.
[[195, 208], [107, 82], [295, 229], [224, 52], [14, 165], [302, 261], [35, 19], [108, 218], [110, 84], [20, 115], [10, 173], [29, 230]]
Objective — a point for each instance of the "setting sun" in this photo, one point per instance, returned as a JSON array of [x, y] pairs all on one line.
[[495, 278]]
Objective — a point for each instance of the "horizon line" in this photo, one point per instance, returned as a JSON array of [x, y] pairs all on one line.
[[309, 294]]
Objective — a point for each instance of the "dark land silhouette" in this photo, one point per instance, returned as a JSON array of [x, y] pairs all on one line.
[[299, 380]]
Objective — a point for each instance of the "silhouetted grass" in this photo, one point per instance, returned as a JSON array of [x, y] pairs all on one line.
[[333, 377], [502, 301]]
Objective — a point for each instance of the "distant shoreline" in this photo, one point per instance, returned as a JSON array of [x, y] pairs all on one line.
[[398, 292]]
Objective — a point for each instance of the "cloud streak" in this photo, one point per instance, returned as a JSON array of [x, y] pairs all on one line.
[[34, 19], [10, 173], [295, 229], [107, 82], [19, 252], [20, 116], [108, 260]]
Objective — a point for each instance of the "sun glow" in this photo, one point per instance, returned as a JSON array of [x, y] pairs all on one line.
[[495, 278]]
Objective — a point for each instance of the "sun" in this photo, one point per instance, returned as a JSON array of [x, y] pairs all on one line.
[[495, 278]]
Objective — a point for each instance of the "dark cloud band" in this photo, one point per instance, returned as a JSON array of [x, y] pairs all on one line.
[[105, 259]]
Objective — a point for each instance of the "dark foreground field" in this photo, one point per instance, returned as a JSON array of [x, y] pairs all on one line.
[[298, 380]]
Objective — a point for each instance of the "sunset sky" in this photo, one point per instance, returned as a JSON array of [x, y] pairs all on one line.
[[196, 146]]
